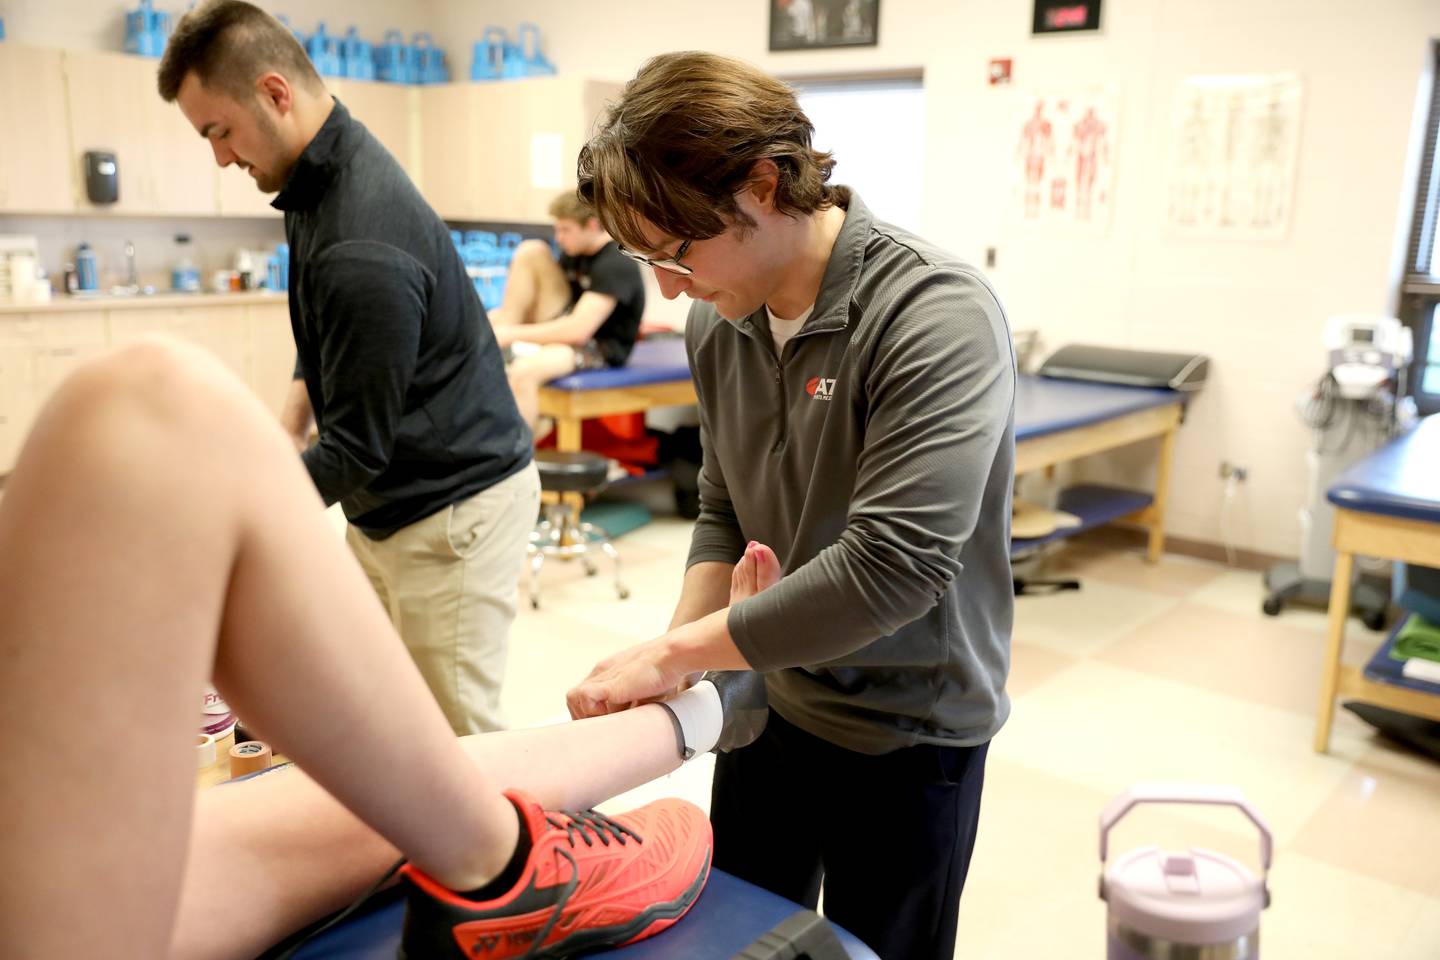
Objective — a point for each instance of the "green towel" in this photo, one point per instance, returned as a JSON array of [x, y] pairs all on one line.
[[1417, 638]]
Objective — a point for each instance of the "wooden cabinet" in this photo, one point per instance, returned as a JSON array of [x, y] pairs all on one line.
[[180, 168], [17, 376], [502, 151], [164, 167], [272, 353], [219, 329], [37, 353], [62, 342], [33, 176], [387, 110], [449, 142], [478, 151]]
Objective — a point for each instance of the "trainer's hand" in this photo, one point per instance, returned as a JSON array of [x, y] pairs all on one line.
[[634, 676]]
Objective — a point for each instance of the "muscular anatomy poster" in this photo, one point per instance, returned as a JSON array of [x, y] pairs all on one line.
[[1065, 152], [1233, 148]]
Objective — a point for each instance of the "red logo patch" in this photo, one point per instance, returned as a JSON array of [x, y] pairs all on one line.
[[820, 388]]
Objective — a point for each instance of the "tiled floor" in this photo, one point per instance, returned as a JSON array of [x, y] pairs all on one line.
[[1167, 672]]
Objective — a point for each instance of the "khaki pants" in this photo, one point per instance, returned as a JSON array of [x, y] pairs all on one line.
[[449, 582]]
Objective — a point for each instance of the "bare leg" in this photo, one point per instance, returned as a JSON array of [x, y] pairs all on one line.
[[535, 288], [291, 853], [244, 832], [159, 522], [529, 373]]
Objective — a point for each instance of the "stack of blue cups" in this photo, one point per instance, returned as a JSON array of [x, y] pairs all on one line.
[[324, 53], [392, 58], [357, 60], [147, 30]]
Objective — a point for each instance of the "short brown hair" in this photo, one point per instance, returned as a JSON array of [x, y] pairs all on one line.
[[682, 141], [569, 206], [227, 44]]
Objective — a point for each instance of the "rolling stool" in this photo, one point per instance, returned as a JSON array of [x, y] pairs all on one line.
[[569, 477]]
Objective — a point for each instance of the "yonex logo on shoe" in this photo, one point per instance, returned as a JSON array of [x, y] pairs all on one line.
[[820, 388], [517, 938]]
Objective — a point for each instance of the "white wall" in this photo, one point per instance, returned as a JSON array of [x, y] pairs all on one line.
[[1256, 307]]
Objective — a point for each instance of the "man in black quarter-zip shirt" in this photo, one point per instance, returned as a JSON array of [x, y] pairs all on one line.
[[419, 437]]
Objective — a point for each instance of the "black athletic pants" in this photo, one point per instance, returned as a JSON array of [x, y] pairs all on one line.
[[891, 834]]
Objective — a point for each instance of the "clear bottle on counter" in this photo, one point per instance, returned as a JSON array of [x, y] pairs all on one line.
[[184, 274]]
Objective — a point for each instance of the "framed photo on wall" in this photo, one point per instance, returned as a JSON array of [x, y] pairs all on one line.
[[1066, 16], [814, 24]]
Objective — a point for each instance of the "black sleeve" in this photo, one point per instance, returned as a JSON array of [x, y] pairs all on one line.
[[369, 300], [615, 275]]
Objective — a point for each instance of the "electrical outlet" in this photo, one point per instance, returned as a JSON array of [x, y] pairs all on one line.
[[1229, 470]]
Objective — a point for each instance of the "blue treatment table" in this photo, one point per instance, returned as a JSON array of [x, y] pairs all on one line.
[[1058, 420], [1387, 505], [657, 375], [1055, 421], [729, 916]]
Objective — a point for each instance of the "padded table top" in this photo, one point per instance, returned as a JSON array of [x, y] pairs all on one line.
[[1401, 479], [1045, 405], [656, 360], [729, 916]]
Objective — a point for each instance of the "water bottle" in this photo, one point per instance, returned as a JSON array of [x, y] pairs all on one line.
[[282, 267], [1164, 905], [86, 269], [184, 274]]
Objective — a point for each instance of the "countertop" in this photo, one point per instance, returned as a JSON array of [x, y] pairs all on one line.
[[171, 301]]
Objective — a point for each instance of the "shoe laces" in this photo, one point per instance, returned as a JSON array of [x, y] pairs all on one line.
[[583, 825], [592, 823]]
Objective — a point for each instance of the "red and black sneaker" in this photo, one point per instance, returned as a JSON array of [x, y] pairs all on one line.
[[591, 882]]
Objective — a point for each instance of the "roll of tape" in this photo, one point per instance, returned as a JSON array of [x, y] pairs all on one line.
[[248, 757], [205, 748]]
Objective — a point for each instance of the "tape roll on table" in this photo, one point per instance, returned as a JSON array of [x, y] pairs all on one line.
[[205, 750], [248, 757]]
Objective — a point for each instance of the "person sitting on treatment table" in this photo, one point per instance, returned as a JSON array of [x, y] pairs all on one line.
[[580, 312], [159, 531]]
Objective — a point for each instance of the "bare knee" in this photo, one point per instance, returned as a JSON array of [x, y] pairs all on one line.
[[533, 249], [523, 375], [155, 379], [166, 372]]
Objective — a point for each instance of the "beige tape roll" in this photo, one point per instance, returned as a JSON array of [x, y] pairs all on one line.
[[205, 750], [248, 757]]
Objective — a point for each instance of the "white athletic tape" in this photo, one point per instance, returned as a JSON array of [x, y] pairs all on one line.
[[205, 749], [701, 717]]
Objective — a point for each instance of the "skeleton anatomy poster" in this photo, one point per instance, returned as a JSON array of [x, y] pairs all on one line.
[[1233, 148], [1065, 157]]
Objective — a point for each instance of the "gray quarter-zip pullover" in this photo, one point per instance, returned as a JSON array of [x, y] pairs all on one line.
[[875, 455]]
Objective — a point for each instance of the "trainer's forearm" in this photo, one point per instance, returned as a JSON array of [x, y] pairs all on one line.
[[706, 589], [296, 415], [269, 855]]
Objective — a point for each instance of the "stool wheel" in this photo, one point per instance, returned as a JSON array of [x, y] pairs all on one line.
[[562, 534]]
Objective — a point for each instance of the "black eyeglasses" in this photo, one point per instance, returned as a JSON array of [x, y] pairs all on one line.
[[668, 264]]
